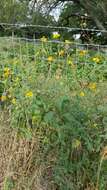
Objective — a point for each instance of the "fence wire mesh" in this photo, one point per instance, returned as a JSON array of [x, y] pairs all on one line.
[[55, 51]]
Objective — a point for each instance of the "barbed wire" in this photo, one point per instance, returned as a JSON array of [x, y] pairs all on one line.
[[70, 47], [70, 29]]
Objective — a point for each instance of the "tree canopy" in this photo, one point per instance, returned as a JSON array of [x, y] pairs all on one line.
[[73, 13], [83, 14]]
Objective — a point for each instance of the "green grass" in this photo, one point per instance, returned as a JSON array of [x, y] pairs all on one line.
[[53, 118]]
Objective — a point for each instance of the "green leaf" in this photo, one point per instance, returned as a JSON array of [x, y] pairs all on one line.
[[49, 117]]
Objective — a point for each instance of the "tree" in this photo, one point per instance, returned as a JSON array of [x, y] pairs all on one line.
[[23, 12], [83, 14], [96, 9], [74, 13], [13, 11]]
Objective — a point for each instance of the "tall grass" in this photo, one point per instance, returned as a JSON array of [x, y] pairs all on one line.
[[53, 119]]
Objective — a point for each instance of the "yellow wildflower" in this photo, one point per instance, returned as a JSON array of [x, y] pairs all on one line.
[[56, 35], [6, 69], [82, 94], [92, 86], [50, 59], [6, 72], [96, 59], [13, 101], [69, 62], [61, 53], [82, 52], [29, 94], [44, 39], [76, 143], [3, 98]]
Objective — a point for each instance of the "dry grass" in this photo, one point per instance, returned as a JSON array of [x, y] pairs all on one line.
[[19, 169]]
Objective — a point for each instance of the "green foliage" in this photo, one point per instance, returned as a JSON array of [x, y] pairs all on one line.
[[74, 140], [20, 12], [13, 11], [83, 14], [62, 101]]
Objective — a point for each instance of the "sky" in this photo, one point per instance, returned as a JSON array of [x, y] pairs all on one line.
[[56, 12]]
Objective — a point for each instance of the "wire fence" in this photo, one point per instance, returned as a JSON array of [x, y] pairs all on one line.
[[32, 49]]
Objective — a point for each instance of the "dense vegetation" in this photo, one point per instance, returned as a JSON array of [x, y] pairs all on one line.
[[53, 116], [53, 95]]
